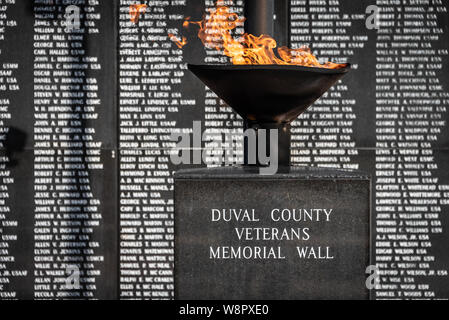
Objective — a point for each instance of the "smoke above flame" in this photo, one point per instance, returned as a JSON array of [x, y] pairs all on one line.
[[135, 10], [216, 32]]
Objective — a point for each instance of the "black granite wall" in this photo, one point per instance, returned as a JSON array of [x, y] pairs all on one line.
[[85, 119]]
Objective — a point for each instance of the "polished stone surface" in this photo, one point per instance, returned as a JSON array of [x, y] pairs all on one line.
[[335, 224]]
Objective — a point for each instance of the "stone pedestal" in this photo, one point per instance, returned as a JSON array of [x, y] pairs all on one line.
[[301, 235]]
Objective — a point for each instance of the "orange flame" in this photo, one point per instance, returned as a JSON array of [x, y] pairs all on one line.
[[135, 10], [179, 43], [215, 31]]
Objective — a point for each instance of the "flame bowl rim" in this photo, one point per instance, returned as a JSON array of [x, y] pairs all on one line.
[[274, 67]]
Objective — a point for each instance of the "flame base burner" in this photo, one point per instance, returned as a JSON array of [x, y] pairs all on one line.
[[269, 96]]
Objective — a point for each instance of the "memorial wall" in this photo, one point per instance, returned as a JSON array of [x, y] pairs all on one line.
[[87, 115]]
